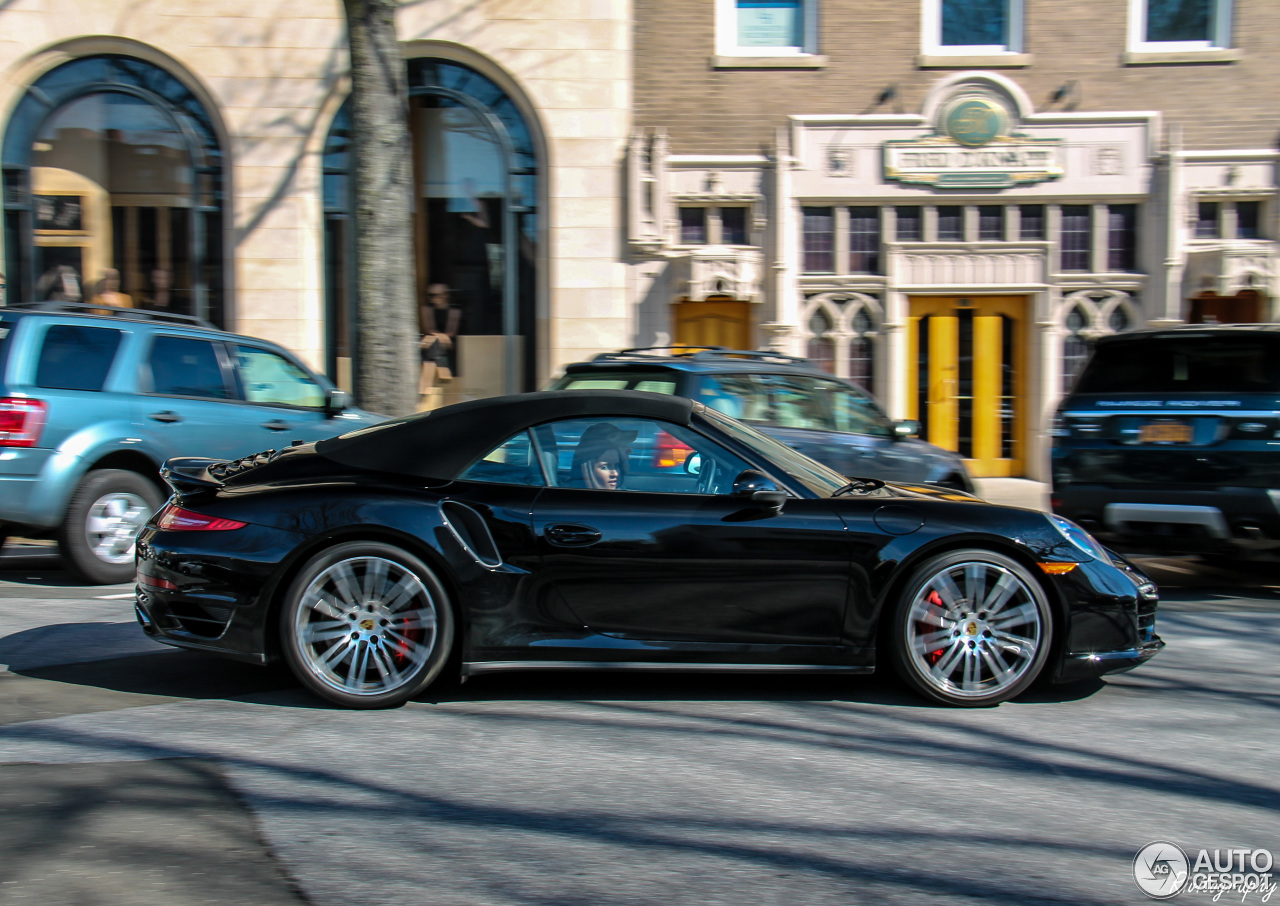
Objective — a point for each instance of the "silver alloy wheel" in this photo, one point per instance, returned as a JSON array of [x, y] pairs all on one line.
[[365, 626], [112, 523], [974, 630]]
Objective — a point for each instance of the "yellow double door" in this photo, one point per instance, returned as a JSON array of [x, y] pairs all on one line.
[[967, 378]]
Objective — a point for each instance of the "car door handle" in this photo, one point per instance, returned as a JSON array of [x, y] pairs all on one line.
[[276, 425], [571, 535], [168, 416]]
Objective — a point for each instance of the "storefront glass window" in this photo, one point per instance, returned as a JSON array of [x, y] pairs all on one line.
[[113, 191], [476, 235]]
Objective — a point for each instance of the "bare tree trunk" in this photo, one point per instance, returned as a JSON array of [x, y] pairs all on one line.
[[386, 313]]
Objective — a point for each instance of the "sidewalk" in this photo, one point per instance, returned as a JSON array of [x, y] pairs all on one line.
[[1014, 492]]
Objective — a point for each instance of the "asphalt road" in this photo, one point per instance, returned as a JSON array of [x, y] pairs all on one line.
[[135, 774]]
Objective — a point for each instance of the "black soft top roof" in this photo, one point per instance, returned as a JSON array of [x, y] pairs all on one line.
[[443, 442]]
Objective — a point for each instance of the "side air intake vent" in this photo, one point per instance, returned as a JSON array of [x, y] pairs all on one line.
[[472, 533]]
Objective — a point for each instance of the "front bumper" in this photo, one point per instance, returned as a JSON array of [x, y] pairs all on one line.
[[1110, 621]]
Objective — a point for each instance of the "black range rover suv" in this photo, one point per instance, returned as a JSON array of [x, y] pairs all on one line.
[[1170, 441]]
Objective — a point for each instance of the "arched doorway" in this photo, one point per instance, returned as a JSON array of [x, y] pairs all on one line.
[[476, 171], [113, 183]]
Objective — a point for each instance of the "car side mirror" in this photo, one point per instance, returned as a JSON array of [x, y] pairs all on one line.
[[907, 427], [335, 402], [760, 489]]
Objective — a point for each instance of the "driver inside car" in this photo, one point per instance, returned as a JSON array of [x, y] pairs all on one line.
[[600, 460]]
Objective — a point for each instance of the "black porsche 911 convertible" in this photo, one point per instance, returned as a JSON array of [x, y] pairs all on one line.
[[618, 530]]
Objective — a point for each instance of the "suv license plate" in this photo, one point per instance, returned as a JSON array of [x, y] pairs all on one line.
[[1165, 433]]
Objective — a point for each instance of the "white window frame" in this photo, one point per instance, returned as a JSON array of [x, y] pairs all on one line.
[[1219, 38], [727, 33], [931, 33]]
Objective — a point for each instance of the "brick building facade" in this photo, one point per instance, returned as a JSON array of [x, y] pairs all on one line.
[[947, 201]]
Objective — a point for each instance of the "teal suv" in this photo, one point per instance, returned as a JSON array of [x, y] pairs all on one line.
[[94, 400]]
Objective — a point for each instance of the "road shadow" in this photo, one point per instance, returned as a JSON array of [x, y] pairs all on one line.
[[174, 674]]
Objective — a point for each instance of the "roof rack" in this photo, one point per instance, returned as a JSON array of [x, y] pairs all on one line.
[[755, 355], [654, 352], [97, 308], [698, 353]]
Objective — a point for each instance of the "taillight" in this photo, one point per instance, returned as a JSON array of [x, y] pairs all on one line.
[[669, 452], [21, 421], [175, 519]]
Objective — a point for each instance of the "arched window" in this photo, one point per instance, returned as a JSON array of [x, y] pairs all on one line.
[[113, 190], [840, 335], [1075, 346], [862, 361], [820, 348], [475, 225]]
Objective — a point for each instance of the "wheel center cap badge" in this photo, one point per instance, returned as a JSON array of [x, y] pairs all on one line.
[[971, 628], [366, 625]]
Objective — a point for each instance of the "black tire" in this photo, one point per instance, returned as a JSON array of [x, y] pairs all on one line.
[[370, 652], [108, 509], [971, 628]]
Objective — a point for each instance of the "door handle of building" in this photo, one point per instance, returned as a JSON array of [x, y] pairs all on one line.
[[276, 425], [568, 534], [167, 416]]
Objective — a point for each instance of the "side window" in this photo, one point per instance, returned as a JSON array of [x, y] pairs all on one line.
[[736, 395], [634, 454], [853, 412], [271, 378], [511, 462], [794, 403], [183, 366], [76, 358]]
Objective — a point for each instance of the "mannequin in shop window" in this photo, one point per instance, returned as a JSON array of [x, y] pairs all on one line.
[[439, 321]]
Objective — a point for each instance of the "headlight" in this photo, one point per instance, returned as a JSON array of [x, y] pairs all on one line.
[[1079, 538]]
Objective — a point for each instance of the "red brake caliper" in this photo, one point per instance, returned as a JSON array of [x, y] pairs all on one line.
[[932, 656]]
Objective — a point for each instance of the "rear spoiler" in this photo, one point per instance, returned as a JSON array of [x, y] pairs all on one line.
[[190, 474]]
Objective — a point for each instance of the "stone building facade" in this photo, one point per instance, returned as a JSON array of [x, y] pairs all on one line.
[[948, 201], [198, 148]]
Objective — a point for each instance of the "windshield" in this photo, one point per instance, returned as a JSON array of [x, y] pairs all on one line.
[[1185, 363], [813, 475]]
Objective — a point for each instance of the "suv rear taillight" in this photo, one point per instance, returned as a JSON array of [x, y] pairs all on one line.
[[176, 519], [669, 452], [21, 421]]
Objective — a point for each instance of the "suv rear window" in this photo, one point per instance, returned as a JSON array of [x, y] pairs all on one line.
[[76, 358], [1189, 363]]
